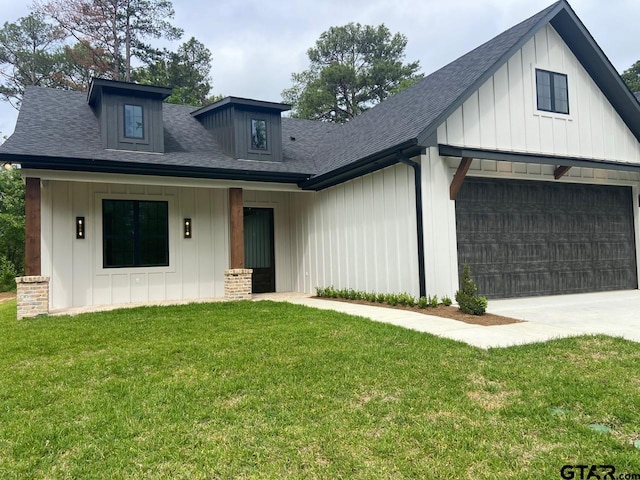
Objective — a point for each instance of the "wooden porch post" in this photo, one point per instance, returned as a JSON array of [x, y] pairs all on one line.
[[32, 227], [236, 225]]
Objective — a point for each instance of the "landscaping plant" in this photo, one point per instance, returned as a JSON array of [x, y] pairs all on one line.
[[467, 298]]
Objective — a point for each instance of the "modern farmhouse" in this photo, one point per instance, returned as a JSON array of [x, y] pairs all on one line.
[[521, 158]]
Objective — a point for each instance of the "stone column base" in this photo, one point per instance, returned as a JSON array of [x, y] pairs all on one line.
[[237, 284], [33, 296]]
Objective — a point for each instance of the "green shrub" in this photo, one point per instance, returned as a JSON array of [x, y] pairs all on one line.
[[406, 299], [391, 299], [446, 301], [433, 301], [466, 297], [423, 302], [381, 298]]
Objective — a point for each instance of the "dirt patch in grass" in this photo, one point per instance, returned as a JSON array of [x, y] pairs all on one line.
[[453, 313], [6, 296]]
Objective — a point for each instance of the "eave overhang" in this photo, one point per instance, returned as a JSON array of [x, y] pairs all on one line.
[[502, 156]]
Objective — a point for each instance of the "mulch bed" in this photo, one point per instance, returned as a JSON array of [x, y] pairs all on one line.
[[487, 320]]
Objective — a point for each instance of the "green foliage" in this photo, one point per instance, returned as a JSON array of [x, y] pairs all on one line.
[[446, 301], [466, 297], [631, 77], [187, 71], [29, 55], [423, 302], [11, 228], [406, 300], [352, 68], [433, 301]]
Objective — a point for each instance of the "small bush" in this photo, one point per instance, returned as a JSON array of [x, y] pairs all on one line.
[[381, 298], [423, 302], [446, 301], [370, 297], [406, 299], [466, 297], [433, 301], [392, 299]]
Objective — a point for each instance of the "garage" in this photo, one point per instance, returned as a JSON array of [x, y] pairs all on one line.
[[527, 238]]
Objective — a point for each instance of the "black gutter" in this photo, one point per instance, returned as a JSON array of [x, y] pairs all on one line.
[[368, 164], [130, 168], [417, 176]]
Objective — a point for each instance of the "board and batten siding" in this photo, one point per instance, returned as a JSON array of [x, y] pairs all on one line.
[[502, 114], [360, 234], [196, 267]]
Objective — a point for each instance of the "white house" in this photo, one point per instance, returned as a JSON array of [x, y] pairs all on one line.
[[521, 158]]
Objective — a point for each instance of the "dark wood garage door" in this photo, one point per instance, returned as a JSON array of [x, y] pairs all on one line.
[[524, 238]]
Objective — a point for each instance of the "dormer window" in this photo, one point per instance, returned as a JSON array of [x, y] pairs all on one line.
[[552, 92], [258, 134], [133, 121]]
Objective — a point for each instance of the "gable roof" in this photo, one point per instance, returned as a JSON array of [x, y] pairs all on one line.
[[411, 117]]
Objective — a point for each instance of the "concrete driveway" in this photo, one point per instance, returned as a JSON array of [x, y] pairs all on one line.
[[611, 313]]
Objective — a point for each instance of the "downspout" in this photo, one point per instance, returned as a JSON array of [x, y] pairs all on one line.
[[417, 176]]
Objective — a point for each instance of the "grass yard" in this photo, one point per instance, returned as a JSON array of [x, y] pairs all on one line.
[[272, 390]]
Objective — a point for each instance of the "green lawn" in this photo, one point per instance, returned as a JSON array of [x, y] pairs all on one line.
[[272, 390]]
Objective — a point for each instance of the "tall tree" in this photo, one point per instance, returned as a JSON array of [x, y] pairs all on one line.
[[631, 77], [352, 68], [29, 51], [186, 70], [116, 30]]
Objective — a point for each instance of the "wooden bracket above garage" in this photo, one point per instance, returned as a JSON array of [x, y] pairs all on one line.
[[560, 171], [458, 178]]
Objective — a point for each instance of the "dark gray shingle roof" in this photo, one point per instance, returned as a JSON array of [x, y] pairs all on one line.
[[60, 124], [637, 94]]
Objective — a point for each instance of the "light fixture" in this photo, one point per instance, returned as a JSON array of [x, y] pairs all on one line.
[[80, 228], [187, 228], [7, 166]]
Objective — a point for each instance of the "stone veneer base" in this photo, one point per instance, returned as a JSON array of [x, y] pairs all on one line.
[[237, 284]]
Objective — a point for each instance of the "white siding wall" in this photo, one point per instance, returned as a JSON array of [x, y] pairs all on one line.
[[502, 114], [360, 234], [75, 266]]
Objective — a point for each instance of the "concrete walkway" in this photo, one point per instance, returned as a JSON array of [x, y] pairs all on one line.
[[546, 318]]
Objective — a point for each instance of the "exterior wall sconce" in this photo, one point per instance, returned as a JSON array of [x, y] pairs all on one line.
[[187, 228], [80, 228]]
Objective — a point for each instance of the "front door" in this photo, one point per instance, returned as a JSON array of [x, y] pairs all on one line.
[[258, 248]]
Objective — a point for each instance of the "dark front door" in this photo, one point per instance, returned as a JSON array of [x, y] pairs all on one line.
[[525, 238], [258, 248]]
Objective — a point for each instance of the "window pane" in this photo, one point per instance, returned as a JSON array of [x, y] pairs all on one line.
[[133, 124], [543, 89], [258, 134], [118, 233], [561, 93], [135, 233]]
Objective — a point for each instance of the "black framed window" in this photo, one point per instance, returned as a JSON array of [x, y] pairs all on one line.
[[552, 92], [133, 121], [135, 233], [258, 134]]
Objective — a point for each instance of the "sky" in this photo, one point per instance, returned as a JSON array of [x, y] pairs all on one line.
[[256, 45]]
